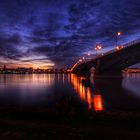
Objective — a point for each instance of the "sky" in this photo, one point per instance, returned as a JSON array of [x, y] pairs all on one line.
[[56, 33]]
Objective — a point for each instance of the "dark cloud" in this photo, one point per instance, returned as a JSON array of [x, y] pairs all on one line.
[[63, 30], [64, 53], [103, 18], [9, 46]]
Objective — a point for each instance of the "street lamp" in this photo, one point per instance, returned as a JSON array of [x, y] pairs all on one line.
[[97, 48], [88, 54], [117, 35]]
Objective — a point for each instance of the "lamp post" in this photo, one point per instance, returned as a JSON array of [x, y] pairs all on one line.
[[117, 35], [97, 48]]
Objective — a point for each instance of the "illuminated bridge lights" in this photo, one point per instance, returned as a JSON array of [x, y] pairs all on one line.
[[119, 48], [88, 54], [116, 49]]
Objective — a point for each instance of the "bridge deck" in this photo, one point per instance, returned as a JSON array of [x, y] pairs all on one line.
[[125, 46]]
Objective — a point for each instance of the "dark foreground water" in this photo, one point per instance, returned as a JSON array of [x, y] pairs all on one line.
[[70, 91]]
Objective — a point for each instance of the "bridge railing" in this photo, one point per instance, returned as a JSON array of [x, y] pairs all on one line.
[[129, 44], [132, 43]]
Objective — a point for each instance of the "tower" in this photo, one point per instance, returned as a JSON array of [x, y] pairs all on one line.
[[4, 68]]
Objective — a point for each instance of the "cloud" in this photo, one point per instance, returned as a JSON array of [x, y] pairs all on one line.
[[104, 18], [60, 54], [62, 31], [8, 46]]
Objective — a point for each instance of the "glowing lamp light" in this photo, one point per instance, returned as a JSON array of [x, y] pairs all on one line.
[[119, 33], [117, 48], [95, 48], [88, 54], [98, 47]]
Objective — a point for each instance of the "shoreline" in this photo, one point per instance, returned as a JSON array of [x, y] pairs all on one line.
[[33, 124]]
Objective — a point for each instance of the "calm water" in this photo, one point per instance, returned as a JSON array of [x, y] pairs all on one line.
[[84, 93]]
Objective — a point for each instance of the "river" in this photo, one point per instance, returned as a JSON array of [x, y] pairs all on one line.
[[47, 90]]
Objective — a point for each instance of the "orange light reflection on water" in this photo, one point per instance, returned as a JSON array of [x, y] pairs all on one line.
[[98, 103], [94, 101]]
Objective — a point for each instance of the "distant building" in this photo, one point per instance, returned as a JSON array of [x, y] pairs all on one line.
[[4, 68], [24, 70]]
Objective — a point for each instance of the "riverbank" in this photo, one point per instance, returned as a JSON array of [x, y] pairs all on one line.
[[41, 123]]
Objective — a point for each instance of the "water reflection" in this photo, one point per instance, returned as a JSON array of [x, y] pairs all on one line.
[[77, 92], [92, 98], [32, 79], [26, 88], [131, 82], [98, 103]]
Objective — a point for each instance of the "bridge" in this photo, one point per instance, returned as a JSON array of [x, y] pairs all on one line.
[[111, 62]]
